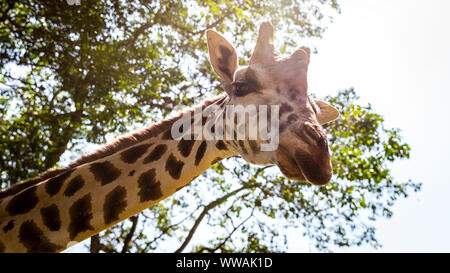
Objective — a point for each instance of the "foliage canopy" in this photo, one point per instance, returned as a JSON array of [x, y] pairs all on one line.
[[76, 74]]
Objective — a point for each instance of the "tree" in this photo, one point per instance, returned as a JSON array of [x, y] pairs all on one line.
[[72, 74]]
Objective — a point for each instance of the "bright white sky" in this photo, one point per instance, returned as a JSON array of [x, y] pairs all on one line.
[[396, 54]]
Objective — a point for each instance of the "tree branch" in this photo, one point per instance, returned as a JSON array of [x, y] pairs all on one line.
[[205, 211], [165, 231], [212, 250], [214, 204], [96, 246], [127, 241]]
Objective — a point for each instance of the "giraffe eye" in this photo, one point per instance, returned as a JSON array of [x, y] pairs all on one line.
[[241, 89]]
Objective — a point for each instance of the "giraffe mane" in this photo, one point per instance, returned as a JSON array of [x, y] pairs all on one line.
[[118, 144]]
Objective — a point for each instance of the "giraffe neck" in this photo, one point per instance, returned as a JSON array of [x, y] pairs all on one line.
[[65, 206]]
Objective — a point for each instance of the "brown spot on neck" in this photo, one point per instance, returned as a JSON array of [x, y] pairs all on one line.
[[74, 185], [51, 218], [156, 153], [80, 216], [115, 203], [104, 172], [200, 152], [34, 240], [149, 187], [174, 166], [132, 154], [185, 146], [22, 202], [8, 226]]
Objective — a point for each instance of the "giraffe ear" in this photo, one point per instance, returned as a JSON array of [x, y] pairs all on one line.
[[222, 55], [327, 112]]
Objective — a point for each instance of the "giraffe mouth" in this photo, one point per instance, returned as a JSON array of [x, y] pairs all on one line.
[[288, 165], [317, 170], [302, 166]]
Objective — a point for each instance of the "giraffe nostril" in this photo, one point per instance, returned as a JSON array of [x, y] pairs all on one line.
[[313, 135], [316, 133]]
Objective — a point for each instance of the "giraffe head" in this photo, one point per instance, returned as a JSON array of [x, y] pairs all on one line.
[[269, 79]]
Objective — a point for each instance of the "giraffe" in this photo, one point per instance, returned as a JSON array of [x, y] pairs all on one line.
[[64, 206]]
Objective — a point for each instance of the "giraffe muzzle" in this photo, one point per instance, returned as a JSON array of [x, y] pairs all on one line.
[[316, 169], [314, 161], [308, 156]]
